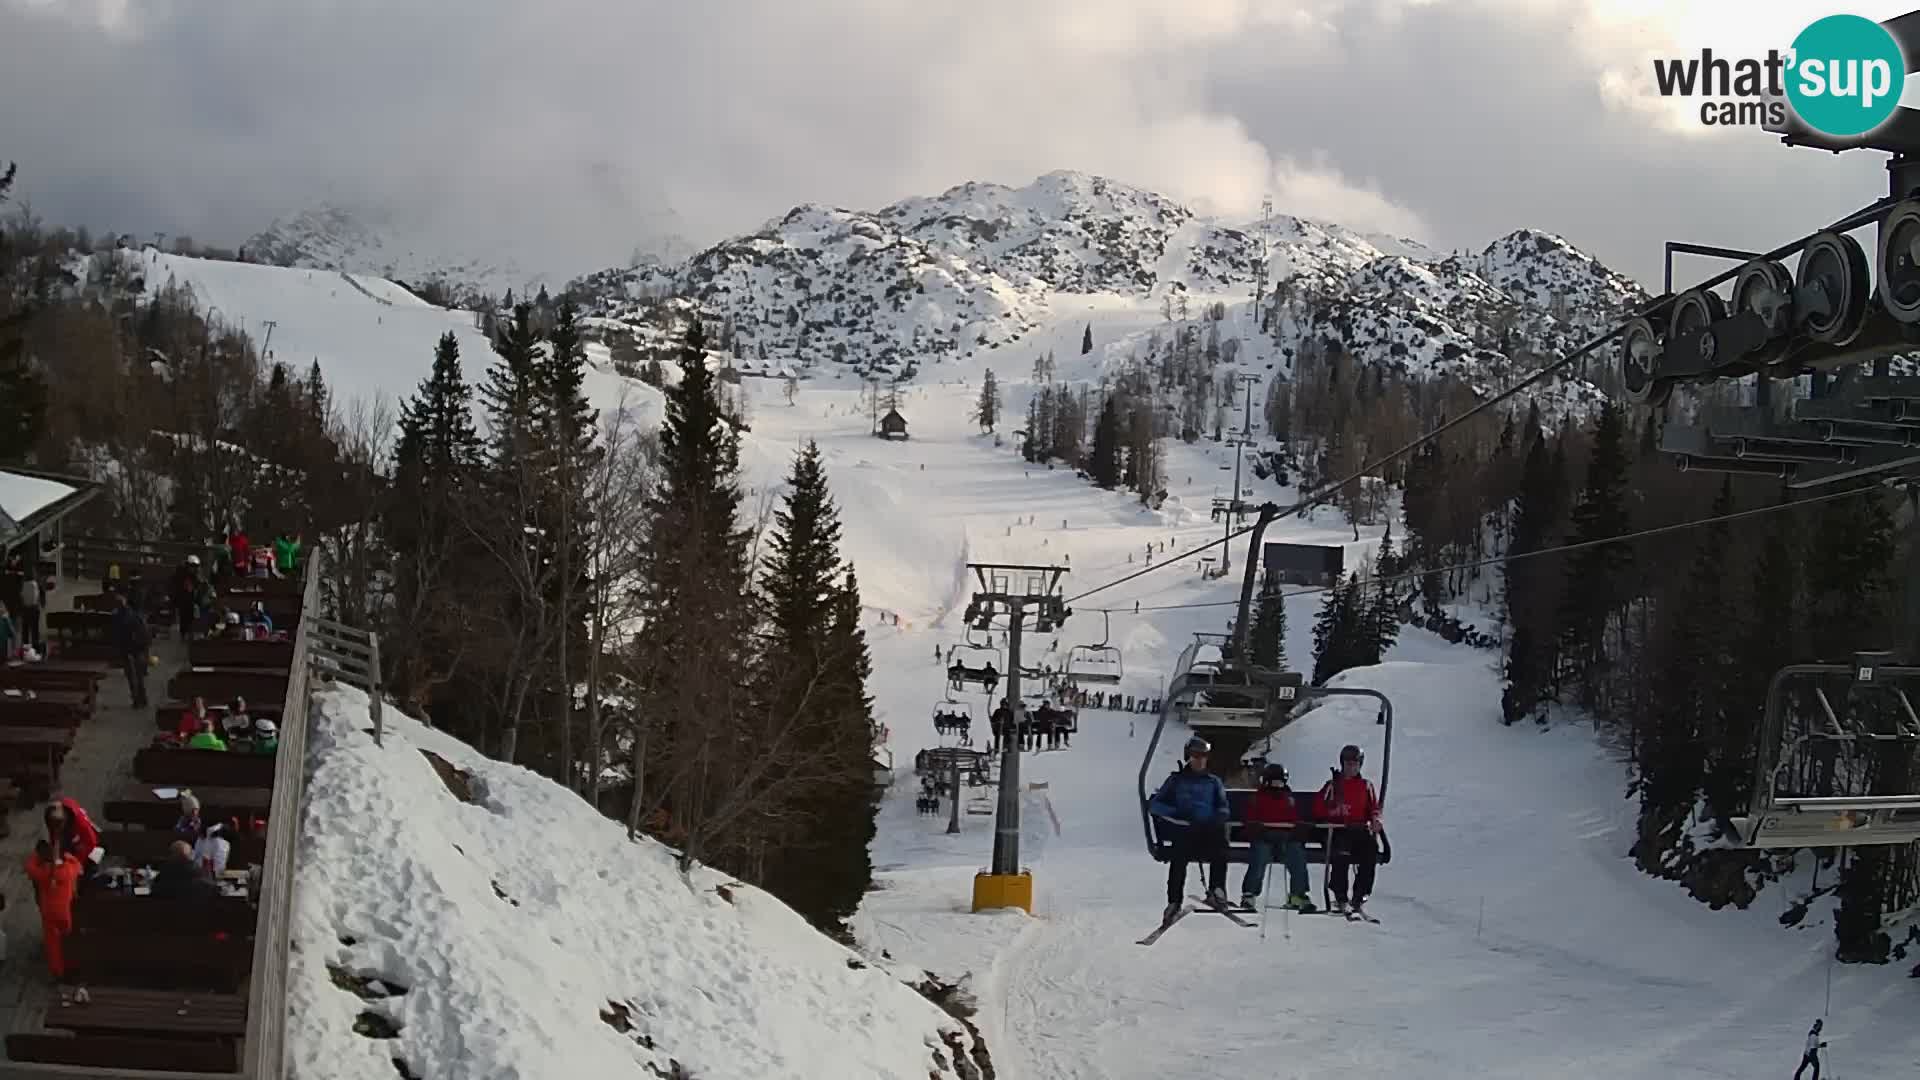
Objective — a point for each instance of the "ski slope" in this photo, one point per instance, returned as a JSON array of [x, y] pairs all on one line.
[[1517, 939]]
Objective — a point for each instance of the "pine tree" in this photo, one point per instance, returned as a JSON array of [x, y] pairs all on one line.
[[1086, 341], [815, 670], [987, 409], [1103, 464], [1530, 591], [512, 393], [1382, 617], [1671, 751], [1595, 577], [1341, 634], [569, 435], [1267, 638], [693, 598]]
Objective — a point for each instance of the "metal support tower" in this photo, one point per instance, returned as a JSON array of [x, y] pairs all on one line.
[[1019, 591], [1246, 428]]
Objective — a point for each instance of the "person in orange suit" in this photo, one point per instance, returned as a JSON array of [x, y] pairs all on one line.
[[54, 884]]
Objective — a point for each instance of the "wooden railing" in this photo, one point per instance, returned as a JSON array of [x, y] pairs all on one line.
[[265, 1047]]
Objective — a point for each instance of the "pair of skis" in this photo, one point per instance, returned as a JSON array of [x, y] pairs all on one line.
[[1232, 913]]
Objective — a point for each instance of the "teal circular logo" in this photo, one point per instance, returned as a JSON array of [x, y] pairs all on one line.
[[1847, 75]]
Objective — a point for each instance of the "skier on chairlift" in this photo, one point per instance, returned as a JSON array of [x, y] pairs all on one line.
[[1350, 802], [1193, 805], [1273, 825]]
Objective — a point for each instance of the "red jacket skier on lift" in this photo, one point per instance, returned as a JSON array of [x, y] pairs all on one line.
[[1351, 804]]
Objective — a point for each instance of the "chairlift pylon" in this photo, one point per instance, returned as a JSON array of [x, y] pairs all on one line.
[[1098, 663]]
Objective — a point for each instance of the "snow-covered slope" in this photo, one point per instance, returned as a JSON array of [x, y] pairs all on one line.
[[520, 934], [372, 338]]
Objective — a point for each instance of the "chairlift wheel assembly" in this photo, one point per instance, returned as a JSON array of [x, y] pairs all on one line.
[[1639, 364], [1899, 262], [1697, 309], [1835, 266], [1765, 288]]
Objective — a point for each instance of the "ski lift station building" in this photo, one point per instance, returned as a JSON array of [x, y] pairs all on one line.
[[1304, 564]]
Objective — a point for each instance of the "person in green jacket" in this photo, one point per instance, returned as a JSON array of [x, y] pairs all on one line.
[[286, 553], [206, 738], [266, 736]]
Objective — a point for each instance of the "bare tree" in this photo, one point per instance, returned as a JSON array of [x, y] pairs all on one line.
[[616, 494], [346, 505]]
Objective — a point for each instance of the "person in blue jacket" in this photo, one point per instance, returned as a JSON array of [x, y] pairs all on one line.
[[1192, 808]]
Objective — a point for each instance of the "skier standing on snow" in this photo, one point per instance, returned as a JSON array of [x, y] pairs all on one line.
[[1193, 804], [1812, 1057], [1350, 803]]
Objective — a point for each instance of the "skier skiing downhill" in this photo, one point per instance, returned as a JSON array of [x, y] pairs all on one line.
[[1350, 803], [1193, 804], [1812, 1057]]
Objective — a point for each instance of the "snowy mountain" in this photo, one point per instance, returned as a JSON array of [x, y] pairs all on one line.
[[982, 266], [457, 917], [361, 241]]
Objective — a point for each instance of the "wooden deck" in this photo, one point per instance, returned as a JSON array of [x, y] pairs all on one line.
[[100, 762]]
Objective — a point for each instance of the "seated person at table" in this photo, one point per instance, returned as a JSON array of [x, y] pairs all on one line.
[[258, 618], [210, 851], [266, 736], [190, 719], [73, 832], [189, 823], [54, 882], [206, 738], [237, 722], [228, 626], [180, 878]]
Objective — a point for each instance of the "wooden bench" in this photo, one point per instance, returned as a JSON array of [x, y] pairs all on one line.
[[53, 675], [116, 912], [30, 757], [136, 804], [46, 708], [260, 588], [153, 961], [149, 847], [160, 1014], [103, 1051], [167, 717], [193, 768], [219, 653], [227, 683]]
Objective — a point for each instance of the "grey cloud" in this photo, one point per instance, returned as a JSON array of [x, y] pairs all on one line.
[[554, 130]]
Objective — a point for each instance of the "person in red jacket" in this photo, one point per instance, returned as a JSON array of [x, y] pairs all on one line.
[[1350, 803], [69, 827], [241, 549], [1273, 824], [54, 882]]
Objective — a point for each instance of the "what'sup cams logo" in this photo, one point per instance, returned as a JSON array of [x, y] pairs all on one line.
[[1842, 77]]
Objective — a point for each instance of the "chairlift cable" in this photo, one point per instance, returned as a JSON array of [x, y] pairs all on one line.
[[1559, 550], [1851, 221]]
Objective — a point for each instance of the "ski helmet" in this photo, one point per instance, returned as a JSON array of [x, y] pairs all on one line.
[[1274, 775], [1198, 745], [1351, 752]]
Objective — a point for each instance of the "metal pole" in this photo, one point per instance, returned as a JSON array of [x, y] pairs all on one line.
[[953, 818], [1006, 826]]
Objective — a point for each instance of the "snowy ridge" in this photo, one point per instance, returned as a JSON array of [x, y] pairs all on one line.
[[981, 266], [522, 935], [330, 237]]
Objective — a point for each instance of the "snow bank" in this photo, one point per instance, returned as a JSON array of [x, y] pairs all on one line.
[[522, 935]]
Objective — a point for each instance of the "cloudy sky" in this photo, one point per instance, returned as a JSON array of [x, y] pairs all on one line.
[[562, 131]]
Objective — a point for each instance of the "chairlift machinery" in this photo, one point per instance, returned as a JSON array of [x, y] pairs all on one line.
[[1231, 703], [1836, 762]]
